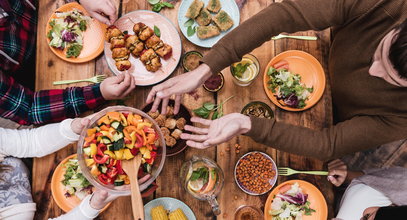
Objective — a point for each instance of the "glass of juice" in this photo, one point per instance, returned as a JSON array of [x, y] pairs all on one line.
[[245, 71], [203, 179]]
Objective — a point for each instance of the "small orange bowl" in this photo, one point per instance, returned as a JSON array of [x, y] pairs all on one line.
[[311, 72]]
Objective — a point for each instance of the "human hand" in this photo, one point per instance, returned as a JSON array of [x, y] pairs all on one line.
[[337, 172], [177, 86], [219, 131], [102, 10], [101, 198], [78, 124], [117, 87], [370, 213]]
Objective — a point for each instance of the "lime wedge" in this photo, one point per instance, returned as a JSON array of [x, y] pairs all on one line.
[[196, 185], [153, 2]]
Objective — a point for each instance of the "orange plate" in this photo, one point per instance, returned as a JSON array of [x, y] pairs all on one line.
[[315, 197], [93, 37], [169, 35], [308, 68], [58, 189]]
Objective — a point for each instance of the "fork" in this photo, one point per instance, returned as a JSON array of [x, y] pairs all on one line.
[[95, 79], [286, 171], [280, 36]]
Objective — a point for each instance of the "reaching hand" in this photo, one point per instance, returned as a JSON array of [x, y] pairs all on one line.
[[117, 87], [101, 198], [177, 86], [78, 124], [219, 131], [102, 10], [337, 172]]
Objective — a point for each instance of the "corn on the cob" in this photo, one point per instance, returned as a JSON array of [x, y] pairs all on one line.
[[159, 213], [178, 214]]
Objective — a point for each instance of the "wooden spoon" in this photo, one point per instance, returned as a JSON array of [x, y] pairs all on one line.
[[131, 168]]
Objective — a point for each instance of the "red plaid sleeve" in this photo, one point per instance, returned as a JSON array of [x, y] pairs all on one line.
[[26, 107]]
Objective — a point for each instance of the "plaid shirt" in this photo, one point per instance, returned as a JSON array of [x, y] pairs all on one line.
[[17, 44], [27, 107]]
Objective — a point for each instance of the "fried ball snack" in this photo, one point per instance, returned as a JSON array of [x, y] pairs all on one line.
[[112, 32], [137, 27], [153, 42], [117, 42], [170, 123], [123, 65], [194, 9], [181, 123], [170, 111], [165, 131], [153, 115], [161, 120], [204, 18], [176, 134], [204, 32], [134, 45], [121, 53], [223, 21], [145, 33], [164, 51], [214, 6], [154, 64], [170, 141]]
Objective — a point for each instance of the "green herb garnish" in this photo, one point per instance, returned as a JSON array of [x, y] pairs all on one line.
[[160, 5], [74, 50], [189, 23], [239, 69], [82, 25], [207, 108], [191, 31], [157, 31]]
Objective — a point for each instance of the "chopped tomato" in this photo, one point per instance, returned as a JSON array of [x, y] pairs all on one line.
[[119, 167], [134, 151], [111, 172], [139, 141], [104, 179]]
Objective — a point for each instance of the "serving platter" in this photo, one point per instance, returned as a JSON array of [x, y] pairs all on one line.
[[169, 35], [228, 6]]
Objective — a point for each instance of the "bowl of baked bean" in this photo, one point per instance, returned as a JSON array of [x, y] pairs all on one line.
[[255, 173]]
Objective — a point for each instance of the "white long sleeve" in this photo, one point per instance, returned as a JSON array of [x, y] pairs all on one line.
[[81, 212], [36, 142]]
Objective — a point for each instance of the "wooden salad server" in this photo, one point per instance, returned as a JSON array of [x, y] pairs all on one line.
[[131, 168]]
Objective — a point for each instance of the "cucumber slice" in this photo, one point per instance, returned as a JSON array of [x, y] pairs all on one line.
[[106, 140], [115, 124], [118, 182], [110, 147], [86, 151], [102, 168], [118, 144], [117, 136], [147, 168]]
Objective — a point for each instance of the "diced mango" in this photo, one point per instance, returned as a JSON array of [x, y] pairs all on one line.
[[91, 131], [104, 128], [89, 162], [94, 170], [90, 138], [130, 119], [133, 140], [140, 126], [113, 116], [143, 150], [104, 120], [110, 153], [119, 154], [123, 119], [127, 154], [147, 155], [93, 150]]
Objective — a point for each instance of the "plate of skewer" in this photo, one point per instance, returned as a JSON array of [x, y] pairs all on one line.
[[145, 44]]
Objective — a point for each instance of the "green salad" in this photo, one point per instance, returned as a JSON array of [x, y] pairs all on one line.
[[291, 204], [67, 31], [287, 87], [74, 181]]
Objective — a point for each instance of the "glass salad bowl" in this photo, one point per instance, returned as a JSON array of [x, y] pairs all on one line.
[[85, 158]]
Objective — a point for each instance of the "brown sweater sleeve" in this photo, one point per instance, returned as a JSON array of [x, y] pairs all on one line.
[[287, 16], [357, 134]]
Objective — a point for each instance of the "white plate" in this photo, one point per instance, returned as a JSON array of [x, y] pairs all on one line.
[[169, 35], [169, 204], [228, 6]]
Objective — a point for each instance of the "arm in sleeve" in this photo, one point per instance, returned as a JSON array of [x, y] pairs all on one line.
[[357, 134], [82, 212], [287, 16], [26, 107], [37, 142]]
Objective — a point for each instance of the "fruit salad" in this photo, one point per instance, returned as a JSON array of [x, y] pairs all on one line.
[[119, 136]]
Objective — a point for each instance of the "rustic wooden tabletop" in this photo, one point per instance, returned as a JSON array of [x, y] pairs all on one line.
[[50, 68]]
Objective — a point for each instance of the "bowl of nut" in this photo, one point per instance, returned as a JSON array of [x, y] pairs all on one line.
[[171, 125], [255, 173]]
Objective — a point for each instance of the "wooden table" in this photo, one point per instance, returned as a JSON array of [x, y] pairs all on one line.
[[50, 68]]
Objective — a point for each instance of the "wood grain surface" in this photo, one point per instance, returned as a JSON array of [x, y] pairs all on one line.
[[50, 68]]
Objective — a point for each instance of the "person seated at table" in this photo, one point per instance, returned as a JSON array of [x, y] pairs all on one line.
[[368, 68], [16, 202], [19, 103], [369, 190]]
